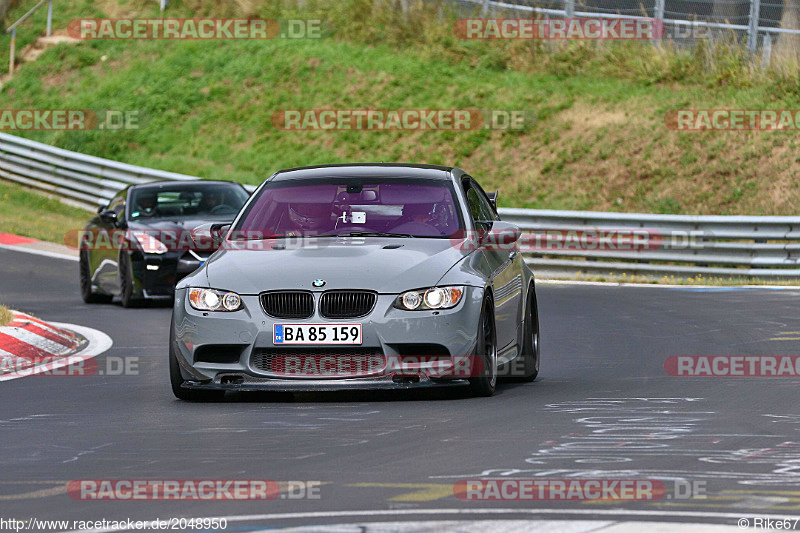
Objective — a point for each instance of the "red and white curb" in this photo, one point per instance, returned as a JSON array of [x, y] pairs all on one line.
[[29, 346], [27, 245]]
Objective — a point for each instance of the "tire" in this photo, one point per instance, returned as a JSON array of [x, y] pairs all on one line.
[[188, 395], [126, 282], [486, 349], [531, 351], [84, 273]]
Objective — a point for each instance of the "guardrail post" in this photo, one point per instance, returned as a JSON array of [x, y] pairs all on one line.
[[11, 54], [659, 13], [752, 27], [766, 51], [50, 18], [569, 8], [659, 16], [164, 4], [485, 8]]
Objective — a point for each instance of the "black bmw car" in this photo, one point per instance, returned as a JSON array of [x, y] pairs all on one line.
[[139, 245]]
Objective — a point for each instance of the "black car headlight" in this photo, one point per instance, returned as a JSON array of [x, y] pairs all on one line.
[[213, 300], [148, 243], [428, 299]]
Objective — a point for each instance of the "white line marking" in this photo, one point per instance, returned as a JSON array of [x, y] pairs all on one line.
[[38, 252], [98, 343], [412, 512]]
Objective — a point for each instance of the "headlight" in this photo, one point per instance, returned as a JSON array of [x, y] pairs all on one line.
[[212, 300], [148, 243], [427, 299]]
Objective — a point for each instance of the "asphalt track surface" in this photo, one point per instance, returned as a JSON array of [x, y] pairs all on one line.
[[603, 407]]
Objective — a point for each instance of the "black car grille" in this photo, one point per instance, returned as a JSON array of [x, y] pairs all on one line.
[[346, 304], [288, 304], [332, 362]]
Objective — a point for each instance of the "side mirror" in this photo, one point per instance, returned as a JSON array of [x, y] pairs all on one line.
[[500, 235], [218, 231], [209, 236], [100, 208], [493, 198], [108, 216]]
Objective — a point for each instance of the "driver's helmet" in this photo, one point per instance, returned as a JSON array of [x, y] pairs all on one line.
[[146, 202], [309, 216], [417, 212]]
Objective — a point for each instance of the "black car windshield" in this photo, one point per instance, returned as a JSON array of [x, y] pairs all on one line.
[[187, 200], [359, 207]]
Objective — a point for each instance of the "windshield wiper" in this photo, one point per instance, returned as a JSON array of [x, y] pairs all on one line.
[[369, 234]]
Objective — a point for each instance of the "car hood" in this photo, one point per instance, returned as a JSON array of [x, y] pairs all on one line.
[[385, 265], [176, 224]]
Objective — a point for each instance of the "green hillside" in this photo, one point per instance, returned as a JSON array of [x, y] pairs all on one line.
[[595, 139]]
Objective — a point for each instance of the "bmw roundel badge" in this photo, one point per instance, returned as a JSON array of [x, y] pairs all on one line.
[[318, 283]]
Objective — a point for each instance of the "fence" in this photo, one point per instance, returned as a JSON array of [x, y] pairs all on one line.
[[760, 247], [13, 30], [771, 23]]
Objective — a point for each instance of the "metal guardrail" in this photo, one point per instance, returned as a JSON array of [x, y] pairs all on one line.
[[81, 179], [759, 247], [686, 245]]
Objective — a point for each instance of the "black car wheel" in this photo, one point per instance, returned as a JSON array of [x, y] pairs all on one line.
[[530, 346], [126, 282], [85, 273], [189, 395], [486, 352]]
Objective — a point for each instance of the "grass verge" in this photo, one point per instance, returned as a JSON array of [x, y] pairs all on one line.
[[5, 315], [24, 212]]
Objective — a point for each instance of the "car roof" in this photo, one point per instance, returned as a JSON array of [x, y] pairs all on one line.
[[383, 170]]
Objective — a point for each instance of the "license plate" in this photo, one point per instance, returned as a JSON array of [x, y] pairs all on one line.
[[316, 333]]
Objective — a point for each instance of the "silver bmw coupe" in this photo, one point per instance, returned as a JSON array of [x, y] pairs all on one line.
[[369, 276]]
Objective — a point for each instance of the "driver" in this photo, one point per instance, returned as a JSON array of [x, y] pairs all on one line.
[[305, 216], [210, 201], [419, 213], [147, 203]]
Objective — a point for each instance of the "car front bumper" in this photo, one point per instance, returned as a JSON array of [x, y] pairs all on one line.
[[219, 350], [155, 275]]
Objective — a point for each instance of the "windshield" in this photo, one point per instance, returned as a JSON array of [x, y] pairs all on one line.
[[190, 200], [357, 207]]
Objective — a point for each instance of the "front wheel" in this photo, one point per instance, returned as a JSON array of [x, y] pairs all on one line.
[[486, 352], [85, 273], [530, 344], [126, 282]]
